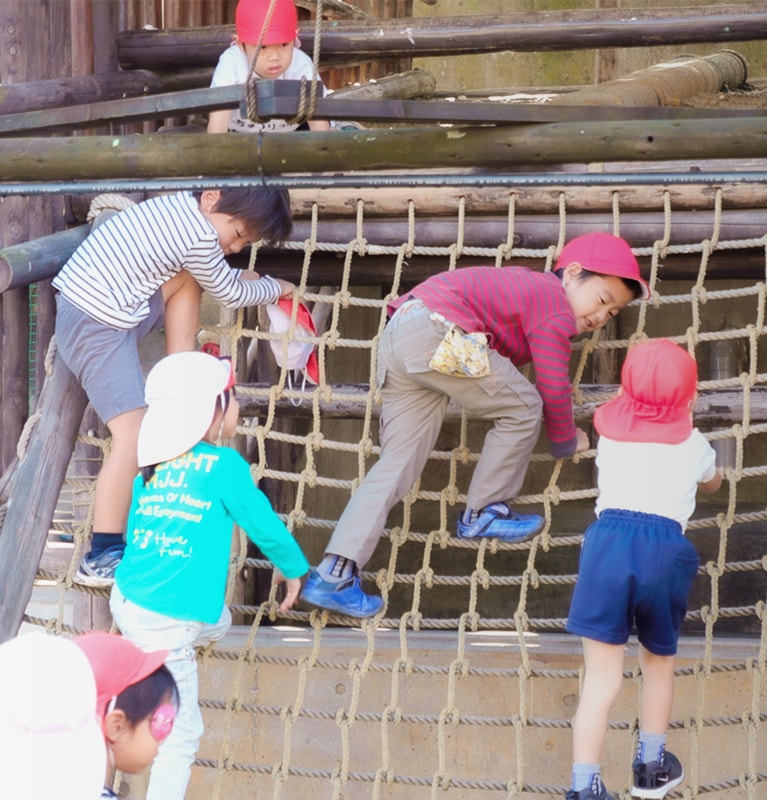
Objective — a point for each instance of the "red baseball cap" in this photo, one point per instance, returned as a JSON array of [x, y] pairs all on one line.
[[605, 254], [658, 384], [116, 664], [250, 16]]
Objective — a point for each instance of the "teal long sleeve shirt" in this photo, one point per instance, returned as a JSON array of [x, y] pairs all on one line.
[[179, 533]]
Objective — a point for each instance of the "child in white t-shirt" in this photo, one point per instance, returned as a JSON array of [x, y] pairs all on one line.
[[637, 566], [278, 57]]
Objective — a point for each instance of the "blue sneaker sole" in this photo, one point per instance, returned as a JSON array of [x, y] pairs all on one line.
[[323, 601], [525, 537]]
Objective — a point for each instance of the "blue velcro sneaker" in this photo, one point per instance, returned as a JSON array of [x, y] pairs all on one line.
[[498, 521], [346, 597]]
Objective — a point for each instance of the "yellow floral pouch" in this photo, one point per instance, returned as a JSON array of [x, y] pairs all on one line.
[[461, 354]]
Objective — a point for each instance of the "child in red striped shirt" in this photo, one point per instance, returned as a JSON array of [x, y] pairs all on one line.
[[462, 335]]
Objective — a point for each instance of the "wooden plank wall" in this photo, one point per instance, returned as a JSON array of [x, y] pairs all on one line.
[[35, 43]]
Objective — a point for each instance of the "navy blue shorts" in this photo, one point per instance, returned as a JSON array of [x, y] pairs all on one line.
[[635, 569]]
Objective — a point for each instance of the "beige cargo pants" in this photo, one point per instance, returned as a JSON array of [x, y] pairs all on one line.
[[414, 399]]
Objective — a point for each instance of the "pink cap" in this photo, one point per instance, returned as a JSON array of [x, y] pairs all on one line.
[[658, 384], [250, 16], [116, 664], [605, 254]]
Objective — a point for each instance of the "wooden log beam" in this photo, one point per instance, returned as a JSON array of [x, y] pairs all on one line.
[[720, 407], [17, 98], [282, 100], [199, 155], [667, 84], [32, 501], [30, 262], [346, 42], [410, 83], [447, 200], [36, 260], [132, 109], [21, 265], [335, 8], [642, 229], [160, 106], [653, 93], [379, 270]]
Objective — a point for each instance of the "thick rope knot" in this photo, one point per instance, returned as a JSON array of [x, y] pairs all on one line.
[[108, 202]]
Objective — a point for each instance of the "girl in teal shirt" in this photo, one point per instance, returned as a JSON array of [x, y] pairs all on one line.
[[170, 586]]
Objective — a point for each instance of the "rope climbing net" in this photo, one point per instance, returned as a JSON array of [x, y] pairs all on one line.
[[466, 684]]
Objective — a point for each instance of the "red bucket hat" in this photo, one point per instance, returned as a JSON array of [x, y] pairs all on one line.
[[298, 355], [605, 254], [250, 16], [658, 384]]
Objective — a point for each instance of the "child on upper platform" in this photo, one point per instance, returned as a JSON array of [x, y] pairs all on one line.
[[278, 57]]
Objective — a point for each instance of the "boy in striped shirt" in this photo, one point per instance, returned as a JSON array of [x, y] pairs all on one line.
[[462, 335], [144, 268]]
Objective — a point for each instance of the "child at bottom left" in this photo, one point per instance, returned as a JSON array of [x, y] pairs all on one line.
[[136, 702], [74, 711], [170, 586]]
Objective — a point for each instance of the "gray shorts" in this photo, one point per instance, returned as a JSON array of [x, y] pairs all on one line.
[[105, 360]]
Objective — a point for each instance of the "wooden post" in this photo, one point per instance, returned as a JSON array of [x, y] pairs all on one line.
[[32, 500], [606, 58], [89, 611], [14, 342]]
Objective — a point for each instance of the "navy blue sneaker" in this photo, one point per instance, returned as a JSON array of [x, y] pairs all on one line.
[[99, 570], [658, 778], [498, 521], [346, 597]]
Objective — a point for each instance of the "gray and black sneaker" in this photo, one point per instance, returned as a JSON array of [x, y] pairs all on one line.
[[596, 791], [99, 570], [655, 779]]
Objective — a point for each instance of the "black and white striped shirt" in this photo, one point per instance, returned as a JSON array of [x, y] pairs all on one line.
[[124, 261]]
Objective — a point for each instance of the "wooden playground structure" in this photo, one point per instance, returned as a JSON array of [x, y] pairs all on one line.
[[670, 155]]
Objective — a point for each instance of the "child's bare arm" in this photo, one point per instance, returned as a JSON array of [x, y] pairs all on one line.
[[319, 125], [711, 486], [218, 121]]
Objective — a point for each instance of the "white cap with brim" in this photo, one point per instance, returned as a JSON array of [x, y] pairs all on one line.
[[181, 391], [51, 744]]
